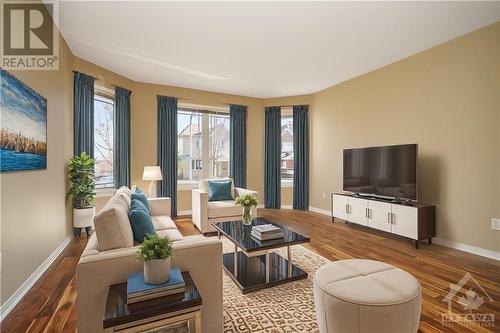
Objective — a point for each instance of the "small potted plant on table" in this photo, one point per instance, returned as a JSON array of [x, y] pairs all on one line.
[[247, 201], [155, 252], [81, 176]]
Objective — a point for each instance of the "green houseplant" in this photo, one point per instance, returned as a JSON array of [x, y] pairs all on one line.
[[247, 201], [81, 175], [155, 252]]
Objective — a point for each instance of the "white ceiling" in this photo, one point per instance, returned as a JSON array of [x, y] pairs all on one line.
[[260, 49]]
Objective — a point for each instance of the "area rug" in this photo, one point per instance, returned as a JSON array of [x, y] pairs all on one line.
[[285, 308]]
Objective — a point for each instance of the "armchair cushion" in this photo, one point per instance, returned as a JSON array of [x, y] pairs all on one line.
[[224, 208], [219, 190]]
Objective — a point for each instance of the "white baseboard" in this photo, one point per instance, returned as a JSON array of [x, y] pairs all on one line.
[[468, 248], [286, 207], [26, 286], [320, 211], [184, 212]]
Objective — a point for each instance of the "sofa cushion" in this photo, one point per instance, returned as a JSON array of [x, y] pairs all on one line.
[[223, 209], [112, 225], [125, 194], [140, 220], [203, 185], [162, 222], [219, 190], [137, 194], [172, 234]]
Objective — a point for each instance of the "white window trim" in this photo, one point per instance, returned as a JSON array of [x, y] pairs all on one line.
[[287, 183], [205, 111], [101, 90]]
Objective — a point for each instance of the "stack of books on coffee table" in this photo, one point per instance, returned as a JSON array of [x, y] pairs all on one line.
[[138, 290], [265, 232]]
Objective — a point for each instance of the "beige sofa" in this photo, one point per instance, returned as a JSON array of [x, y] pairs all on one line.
[[110, 257], [206, 212]]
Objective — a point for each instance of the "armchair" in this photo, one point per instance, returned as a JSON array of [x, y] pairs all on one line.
[[207, 212]]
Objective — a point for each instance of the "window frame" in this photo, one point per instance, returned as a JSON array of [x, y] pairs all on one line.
[[186, 107], [108, 94], [286, 112]]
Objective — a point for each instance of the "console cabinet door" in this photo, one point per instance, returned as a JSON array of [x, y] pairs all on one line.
[[379, 215], [341, 207], [357, 213], [405, 221]]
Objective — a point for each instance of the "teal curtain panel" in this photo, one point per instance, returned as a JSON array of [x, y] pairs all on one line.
[[301, 157], [238, 144], [272, 160], [122, 138], [83, 118], [167, 148]]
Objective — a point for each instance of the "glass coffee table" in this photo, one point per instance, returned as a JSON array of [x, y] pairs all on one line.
[[252, 265]]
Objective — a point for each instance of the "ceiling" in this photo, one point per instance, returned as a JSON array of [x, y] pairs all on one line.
[[260, 49]]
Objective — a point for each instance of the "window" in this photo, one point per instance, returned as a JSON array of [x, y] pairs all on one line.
[[203, 143], [286, 146], [103, 137]]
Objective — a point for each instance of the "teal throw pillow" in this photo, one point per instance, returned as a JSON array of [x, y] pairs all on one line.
[[219, 190], [142, 198], [138, 205], [141, 222]]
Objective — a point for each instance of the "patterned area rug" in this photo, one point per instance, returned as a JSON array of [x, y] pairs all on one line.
[[285, 308]]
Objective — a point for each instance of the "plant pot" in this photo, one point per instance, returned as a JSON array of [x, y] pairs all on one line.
[[83, 217], [247, 215], [157, 271]]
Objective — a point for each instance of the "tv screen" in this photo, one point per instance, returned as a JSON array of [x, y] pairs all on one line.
[[387, 171]]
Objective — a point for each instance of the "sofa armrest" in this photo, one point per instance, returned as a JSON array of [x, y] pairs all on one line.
[[202, 257], [242, 191], [199, 209], [160, 206]]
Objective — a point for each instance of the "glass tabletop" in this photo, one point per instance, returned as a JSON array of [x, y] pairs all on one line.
[[240, 234]]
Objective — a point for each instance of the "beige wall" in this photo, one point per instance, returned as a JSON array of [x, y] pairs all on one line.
[[447, 100], [35, 214], [143, 124]]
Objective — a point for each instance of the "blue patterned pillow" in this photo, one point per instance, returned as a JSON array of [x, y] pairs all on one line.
[[219, 190]]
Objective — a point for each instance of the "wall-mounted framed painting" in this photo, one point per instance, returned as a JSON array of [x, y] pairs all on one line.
[[23, 120]]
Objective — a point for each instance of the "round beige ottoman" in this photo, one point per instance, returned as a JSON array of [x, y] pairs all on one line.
[[361, 296]]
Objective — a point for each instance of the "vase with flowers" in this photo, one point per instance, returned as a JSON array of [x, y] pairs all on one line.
[[247, 201]]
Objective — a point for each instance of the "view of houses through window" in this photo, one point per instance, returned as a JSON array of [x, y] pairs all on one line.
[[286, 147], [103, 140], [203, 145]]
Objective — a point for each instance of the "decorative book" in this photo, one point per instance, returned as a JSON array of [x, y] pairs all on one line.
[[266, 232], [138, 290]]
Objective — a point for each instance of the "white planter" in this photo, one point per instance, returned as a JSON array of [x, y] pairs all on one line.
[[83, 217], [157, 271]]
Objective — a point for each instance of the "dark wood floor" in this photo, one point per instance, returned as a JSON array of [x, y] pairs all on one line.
[[50, 304]]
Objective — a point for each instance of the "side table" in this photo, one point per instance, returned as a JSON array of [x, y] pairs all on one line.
[[155, 314]]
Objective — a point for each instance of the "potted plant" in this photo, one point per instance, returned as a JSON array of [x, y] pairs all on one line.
[[155, 252], [247, 201], [81, 176]]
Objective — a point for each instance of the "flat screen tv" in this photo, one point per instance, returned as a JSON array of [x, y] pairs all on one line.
[[387, 171]]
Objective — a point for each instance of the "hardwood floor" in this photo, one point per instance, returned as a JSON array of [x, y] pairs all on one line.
[[50, 305]]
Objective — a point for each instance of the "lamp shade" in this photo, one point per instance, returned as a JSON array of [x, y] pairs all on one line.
[[152, 173]]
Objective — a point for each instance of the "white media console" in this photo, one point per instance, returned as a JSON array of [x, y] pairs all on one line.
[[412, 220]]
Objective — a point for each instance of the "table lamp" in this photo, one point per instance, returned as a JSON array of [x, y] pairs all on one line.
[[153, 174]]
